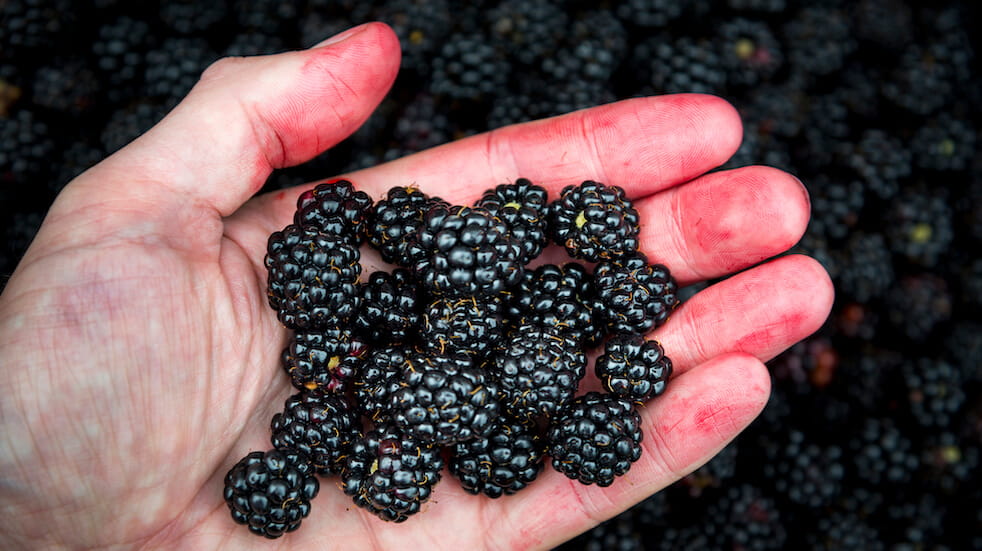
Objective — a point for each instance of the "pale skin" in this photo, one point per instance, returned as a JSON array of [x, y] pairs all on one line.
[[139, 358]]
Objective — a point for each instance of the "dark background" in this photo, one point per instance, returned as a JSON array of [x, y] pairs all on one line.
[[872, 437]]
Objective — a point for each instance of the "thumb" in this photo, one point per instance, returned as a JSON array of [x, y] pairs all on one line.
[[245, 117]]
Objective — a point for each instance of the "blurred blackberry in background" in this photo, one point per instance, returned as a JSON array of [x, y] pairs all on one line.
[[192, 16], [174, 67], [836, 206], [805, 472], [67, 86], [918, 305], [866, 270], [468, 66], [26, 146], [649, 13], [529, 31], [667, 66], [422, 27], [743, 517], [749, 52], [919, 226], [944, 143], [593, 51], [882, 454], [935, 394], [820, 40], [882, 161]]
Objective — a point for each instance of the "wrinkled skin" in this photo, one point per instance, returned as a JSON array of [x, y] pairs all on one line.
[[139, 359]]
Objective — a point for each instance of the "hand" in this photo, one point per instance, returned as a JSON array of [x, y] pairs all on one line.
[[140, 359]]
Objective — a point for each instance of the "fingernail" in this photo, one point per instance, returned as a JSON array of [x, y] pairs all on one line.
[[340, 37]]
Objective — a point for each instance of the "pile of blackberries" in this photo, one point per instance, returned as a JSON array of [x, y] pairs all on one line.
[[461, 346]]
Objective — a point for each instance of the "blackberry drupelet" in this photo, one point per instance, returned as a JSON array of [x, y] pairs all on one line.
[[465, 252], [334, 208], [390, 473], [561, 297], [325, 361], [505, 461], [538, 370], [636, 296], [390, 308], [595, 222], [444, 399], [595, 438], [473, 326], [633, 367], [321, 426], [395, 222], [313, 278], [270, 491], [523, 206]]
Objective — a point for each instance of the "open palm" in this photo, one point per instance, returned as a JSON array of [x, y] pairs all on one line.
[[139, 359]]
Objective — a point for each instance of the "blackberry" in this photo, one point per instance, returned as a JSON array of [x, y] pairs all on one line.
[[884, 23], [444, 399], [935, 393], [523, 206], [650, 13], [473, 326], [836, 206], [845, 530], [668, 65], [320, 426], [270, 491], [325, 361], [561, 297], [820, 39], [538, 370], [633, 367], [505, 461], [67, 86], [465, 252], [26, 146], [867, 268], [313, 278], [717, 471], [749, 52], [944, 143], [746, 518], [593, 51], [422, 124], [926, 77], [191, 16], [595, 438], [32, 27], [395, 222], [390, 309], [390, 473], [918, 305], [919, 226], [174, 67], [804, 472], [422, 27], [529, 30], [334, 208], [882, 454], [951, 462], [469, 67], [882, 161], [636, 296], [380, 377], [120, 56], [595, 222]]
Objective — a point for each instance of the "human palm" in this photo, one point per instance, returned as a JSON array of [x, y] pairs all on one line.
[[139, 359]]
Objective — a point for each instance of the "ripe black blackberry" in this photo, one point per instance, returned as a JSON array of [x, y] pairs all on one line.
[[191, 16], [882, 454], [538, 370], [66, 85], [935, 392], [633, 367], [918, 305], [528, 30], [919, 226], [636, 296], [749, 52], [867, 269], [270, 492], [668, 65], [313, 278], [380, 377], [836, 206], [26, 146], [595, 438], [593, 50], [594, 222], [465, 252], [324, 360], [321, 426], [803, 471], [744, 517], [882, 161], [845, 530], [523, 206], [32, 27], [820, 40], [444, 399], [120, 56], [469, 66], [944, 143], [421, 26], [650, 13], [926, 76], [505, 461], [390, 473], [561, 297], [390, 309], [334, 208], [174, 67], [395, 222], [473, 326], [423, 123]]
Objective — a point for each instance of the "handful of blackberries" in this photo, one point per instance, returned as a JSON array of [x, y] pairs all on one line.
[[464, 355]]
